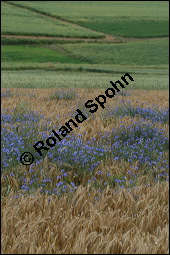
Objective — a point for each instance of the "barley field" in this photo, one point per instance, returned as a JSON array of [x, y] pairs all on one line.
[[103, 189], [99, 178], [119, 223]]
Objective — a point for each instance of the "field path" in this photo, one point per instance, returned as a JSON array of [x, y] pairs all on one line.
[[106, 38]]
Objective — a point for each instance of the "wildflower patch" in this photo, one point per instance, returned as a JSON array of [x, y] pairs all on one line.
[[99, 101]]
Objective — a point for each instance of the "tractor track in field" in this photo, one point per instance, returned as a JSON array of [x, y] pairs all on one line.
[[106, 38]]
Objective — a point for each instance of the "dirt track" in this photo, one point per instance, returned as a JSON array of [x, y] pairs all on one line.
[[107, 38]]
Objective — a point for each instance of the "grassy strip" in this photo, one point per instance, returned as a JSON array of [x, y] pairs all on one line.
[[51, 35], [50, 67], [30, 41], [100, 68]]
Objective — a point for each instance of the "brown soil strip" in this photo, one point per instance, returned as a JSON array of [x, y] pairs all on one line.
[[107, 38]]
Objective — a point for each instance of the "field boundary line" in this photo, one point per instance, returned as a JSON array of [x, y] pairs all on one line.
[[108, 39]]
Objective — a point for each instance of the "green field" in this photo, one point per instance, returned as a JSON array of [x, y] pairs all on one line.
[[120, 18], [86, 9], [141, 53], [150, 53], [32, 54], [88, 64], [130, 28], [51, 79], [18, 21]]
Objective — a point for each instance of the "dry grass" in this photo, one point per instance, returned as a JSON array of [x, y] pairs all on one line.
[[117, 223]]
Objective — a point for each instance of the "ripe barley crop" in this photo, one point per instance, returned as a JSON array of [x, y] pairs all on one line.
[[103, 189]]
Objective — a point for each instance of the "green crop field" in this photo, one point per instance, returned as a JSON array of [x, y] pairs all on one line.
[[121, 18], [52, 79], [32, 54], [132, 53], [130, 28], [86, 9], [137, 54], [17, 21]]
